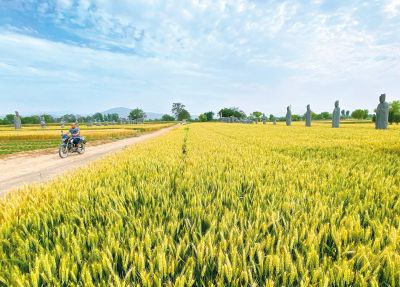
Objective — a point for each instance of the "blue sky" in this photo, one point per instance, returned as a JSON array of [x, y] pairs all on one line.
[[84, 56]]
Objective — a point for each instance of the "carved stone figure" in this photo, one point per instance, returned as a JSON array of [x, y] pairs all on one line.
[[17, 121], [42, 122], [289, 116], [308, 116], [336, 116], [274, 121], [382, 114]]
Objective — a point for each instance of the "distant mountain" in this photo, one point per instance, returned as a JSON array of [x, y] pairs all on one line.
[[153, 116], [124, 112]]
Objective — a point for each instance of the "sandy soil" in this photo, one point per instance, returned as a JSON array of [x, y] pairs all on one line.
[[18, 171]]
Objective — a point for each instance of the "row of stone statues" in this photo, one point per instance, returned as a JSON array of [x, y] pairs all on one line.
[[381, 123], [382, 115], [233, 119], [18, 122]]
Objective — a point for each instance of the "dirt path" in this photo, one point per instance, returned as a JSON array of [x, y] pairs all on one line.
[[16, 172]]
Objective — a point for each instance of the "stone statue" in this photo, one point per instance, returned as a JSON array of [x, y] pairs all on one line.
[[382, 114], [336, 116], [288, 117], [308, 116], [17, 121], [62, 123], [42, 122]]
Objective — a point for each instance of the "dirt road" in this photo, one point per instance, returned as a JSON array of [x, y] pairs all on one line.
[[16, 172]]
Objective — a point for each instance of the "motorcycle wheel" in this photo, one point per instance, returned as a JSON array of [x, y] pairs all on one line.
[[81, 148], [63, 151]]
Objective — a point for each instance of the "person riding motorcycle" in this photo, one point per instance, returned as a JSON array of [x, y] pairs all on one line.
[[75, 133]]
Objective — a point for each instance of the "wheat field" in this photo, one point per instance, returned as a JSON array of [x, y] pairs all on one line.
[[216, 205], [31, 138]]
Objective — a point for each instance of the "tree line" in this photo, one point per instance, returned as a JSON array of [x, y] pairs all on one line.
[[179, 112], [68, 118]]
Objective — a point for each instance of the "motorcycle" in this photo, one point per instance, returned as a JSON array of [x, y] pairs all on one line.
[[67, 145]]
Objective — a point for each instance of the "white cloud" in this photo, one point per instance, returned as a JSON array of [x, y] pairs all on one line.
[[392, 8], [101, 78], [64, 4], [219, 51]]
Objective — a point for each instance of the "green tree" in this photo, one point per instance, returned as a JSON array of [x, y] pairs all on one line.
[[203, 118], [210, 116], [183, 115], [136, 114], [8, 119], [111, 117], [315, 116], [177, 108], [30, 120], [69, 118], [394, 112], [359, 114], [167, 118], [325, 116], [257, 115], [48, 118], [98, 117], [84, 119], [108, 117], [271, 117], [296, 118], [180, 111], [231, 112]]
